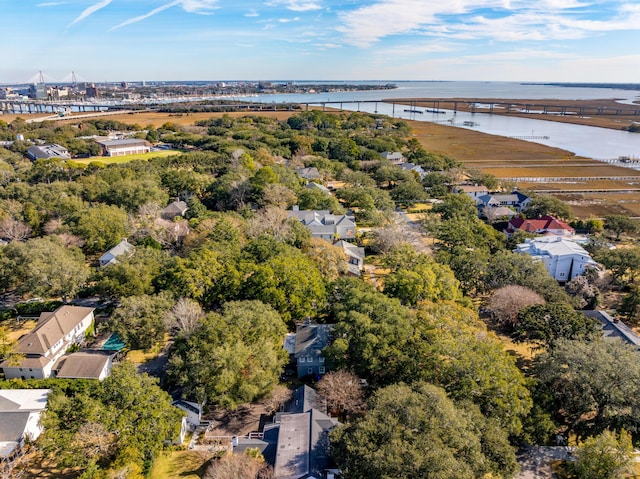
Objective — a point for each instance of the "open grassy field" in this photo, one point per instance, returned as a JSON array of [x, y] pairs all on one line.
[[107, 160], [180, 465]]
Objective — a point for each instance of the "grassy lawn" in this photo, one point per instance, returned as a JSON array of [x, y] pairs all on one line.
[[180, 465], [107, 160]]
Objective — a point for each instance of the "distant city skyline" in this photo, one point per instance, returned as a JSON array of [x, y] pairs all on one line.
[[487, 40]]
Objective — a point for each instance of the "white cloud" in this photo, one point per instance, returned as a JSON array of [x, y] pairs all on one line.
[[289, 20], [503, 20], [90, 11], [198, 6], [191, 6], [296, 5], [146, 15], [252, 13]]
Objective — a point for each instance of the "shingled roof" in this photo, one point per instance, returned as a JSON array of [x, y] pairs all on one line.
[[51, 328]]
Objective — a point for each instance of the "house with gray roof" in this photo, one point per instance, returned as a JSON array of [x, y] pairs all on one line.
[[355, 256], [173, 209], [110, 257], [312, 185], [322, 224], [39, 350], [20, 411], [564, 259], [309, 173], [85, 365], [123, 147], [515, 200], [412, 167], [393, 156], [297, 442], [613, 328], [39, 152], [310, 340]]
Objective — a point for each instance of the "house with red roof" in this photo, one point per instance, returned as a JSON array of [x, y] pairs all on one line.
[[540, 226]]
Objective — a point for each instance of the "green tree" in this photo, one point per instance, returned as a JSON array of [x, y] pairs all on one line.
[[544, 205], [424, 280], [46, 267], [624, 263], [138, 320], [545, 324], [593, 385], [122, 422], [415, 432], [231, 358], [133, 275], [619, 224], [605, 456], [289, 282], [101, 226]]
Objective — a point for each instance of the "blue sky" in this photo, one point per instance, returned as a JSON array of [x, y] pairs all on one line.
[[515, 40]]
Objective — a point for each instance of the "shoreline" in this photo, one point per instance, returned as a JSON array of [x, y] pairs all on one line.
[[605, 113]]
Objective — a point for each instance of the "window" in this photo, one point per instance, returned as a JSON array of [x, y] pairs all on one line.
[[301, 359], [310, 371], [321, 359], [321, 370]]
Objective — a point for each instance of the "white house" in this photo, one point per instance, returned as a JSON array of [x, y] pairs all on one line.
[[563, 258], [393, 156], [193, 411], [20, 411], [40, 349], [475, 192], [355, 255], [129, 146], [515, 200], [110, 257]]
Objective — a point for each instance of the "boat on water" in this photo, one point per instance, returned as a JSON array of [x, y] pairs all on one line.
[[435, 111], [413, 111]]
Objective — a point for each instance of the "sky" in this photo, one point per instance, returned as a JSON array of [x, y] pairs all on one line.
[[484, 40]]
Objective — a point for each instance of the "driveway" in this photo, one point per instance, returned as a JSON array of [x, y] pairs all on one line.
[[535, 461]]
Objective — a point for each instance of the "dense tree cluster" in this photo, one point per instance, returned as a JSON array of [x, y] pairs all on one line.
[[443, 398]]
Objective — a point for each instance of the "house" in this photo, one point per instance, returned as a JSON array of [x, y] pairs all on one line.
[[472, 191], [110, 257], [310, 340], [411, 167], [84, 365], [20, 411], [324, 225], [393, 156], [193, 412], [311, 185], [354, 254], [176, 208], [39, 152], [563, 258], [297, 442], [543, 225], [123, 147], [612, 328], [515, 200], [39, 350], [310, 173]]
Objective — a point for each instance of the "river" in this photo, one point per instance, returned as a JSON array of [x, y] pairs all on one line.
[[588, 141]]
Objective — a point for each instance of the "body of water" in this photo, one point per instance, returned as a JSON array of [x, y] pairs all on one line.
[[592, 142]]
